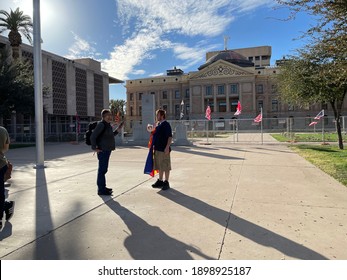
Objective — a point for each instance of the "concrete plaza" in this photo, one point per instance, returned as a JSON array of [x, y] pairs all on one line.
[[227, 201]]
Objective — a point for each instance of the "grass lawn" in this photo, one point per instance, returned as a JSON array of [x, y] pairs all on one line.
[[330, 159], [308, 137]]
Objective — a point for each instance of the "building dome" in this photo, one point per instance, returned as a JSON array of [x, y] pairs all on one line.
[[229, 56]]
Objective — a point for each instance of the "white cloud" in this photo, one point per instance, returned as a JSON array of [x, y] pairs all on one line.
[[139, 72], [156, 74], [248, 5], [124, 58], [156, 19], [190, 17], [191, 55], [81, 48]]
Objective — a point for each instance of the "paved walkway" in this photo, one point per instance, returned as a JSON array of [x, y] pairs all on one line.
[[227, 201]]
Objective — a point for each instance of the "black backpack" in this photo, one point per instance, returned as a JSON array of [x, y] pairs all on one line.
[[89, 131]]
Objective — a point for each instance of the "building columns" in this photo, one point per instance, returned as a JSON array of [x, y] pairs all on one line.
[[215, 98]]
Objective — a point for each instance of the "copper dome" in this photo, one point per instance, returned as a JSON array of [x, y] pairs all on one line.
[[229, 56]]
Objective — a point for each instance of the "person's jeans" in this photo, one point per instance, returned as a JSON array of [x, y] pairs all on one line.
[[103, 158], [2, 190]]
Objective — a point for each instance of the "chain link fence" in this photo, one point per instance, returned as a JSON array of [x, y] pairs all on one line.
[[218, 130]]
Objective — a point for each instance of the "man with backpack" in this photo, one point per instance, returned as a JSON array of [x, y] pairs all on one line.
[[103, 143]]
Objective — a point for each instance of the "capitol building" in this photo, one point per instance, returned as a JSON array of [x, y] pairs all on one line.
[[227, 76]]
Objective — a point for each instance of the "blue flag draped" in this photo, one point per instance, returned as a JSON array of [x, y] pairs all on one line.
[[149, 165]]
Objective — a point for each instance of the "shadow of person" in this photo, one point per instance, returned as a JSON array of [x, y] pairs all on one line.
[[6, 231], [147, 242], [243, 227]]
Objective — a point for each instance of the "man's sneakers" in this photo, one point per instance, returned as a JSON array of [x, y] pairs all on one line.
[[9, 210], [105, 191], [164, 185], [158, 184]]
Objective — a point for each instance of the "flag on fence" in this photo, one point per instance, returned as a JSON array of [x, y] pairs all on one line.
[[238, 109], [78, 124], [318, 117], [258, 118], [208, 113]]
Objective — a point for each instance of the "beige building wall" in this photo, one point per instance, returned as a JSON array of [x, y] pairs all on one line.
[[196, 100]]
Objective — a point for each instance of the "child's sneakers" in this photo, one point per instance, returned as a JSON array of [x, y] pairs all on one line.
[[9, 210]]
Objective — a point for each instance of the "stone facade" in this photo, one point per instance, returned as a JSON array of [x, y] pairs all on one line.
[[220, 85]]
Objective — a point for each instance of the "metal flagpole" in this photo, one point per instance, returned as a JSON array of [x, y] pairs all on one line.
[[261, 124], [323, 136], [38, 84], [234, 129]]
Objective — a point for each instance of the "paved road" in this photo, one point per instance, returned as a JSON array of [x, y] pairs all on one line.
[[227, 201]]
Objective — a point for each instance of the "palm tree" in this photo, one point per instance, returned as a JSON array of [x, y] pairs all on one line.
[[17, 23], [117, 105]]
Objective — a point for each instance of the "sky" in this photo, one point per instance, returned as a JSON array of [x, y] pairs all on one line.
[[136, 39]]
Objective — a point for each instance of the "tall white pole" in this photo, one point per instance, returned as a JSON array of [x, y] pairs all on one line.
[[38, 84]]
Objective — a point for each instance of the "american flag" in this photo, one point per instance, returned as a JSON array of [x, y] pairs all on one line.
[[258, 118], [320, 115], [208, 113], [238, 109]]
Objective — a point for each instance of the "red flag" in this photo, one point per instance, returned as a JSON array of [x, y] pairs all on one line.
[[208, 113], [238, 109], [258, 118], [117, 117]]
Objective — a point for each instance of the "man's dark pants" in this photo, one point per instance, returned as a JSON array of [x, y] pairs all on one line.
[[2, 190], [103, 158]]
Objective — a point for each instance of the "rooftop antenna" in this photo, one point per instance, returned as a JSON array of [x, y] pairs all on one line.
[[226, 38]]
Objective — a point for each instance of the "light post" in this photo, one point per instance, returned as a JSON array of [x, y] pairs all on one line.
[[38, 84]]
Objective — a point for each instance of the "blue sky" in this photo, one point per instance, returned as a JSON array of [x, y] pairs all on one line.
[[141, 38]]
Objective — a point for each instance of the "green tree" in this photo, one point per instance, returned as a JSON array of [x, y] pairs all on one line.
[[17, 23], [319, 72], [16, 86], [117, 105]]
